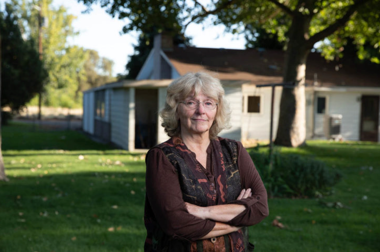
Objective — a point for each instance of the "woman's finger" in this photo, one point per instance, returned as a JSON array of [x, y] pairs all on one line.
[[241, 194], [247, 193]]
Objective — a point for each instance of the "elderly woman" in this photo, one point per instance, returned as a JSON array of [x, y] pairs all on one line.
[[203, 191]]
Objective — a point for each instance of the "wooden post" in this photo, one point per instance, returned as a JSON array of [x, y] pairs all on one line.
[[273, 85], [40, 52], [271, 130]]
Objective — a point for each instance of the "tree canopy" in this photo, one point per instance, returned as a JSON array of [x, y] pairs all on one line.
[[22, 70], [300, 24], [71, 69]]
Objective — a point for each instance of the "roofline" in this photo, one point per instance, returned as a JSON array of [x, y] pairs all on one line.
[[145, 63], [132, 84], [344, 89], [153, 84], [225, 83]]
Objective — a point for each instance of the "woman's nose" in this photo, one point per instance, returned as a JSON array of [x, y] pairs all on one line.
[[200, 108]]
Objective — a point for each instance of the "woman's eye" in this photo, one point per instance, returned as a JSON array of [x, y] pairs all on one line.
[[208, 103], [190, 103]]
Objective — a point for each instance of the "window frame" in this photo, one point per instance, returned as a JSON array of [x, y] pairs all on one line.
[[245, 101], [316, 104]]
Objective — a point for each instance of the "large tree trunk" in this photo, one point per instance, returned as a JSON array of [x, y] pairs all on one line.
[[2, 168], [291, 129]]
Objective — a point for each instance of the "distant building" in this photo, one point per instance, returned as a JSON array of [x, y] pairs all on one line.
[[342, 99]]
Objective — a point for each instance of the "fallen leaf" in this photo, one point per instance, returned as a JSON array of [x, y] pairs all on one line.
[[364, 197], [32, 170], [133, 192], [18, 197], [313, 222], [278, 217], [39, 166], [114, 207], [45, 198], [73, 238], [46, 172], [118, 228], [80, 157], [20, 213], [111, 229], [278, 224], [134, 179]]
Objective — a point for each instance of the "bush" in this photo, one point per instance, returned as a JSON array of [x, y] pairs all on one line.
[[5, 117], [294, 175]]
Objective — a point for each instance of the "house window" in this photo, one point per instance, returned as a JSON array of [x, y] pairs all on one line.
[[100, 103], [254, 104], [321, 105]]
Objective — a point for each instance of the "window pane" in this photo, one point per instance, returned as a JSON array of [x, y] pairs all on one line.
[[253, 104], [100, 103], [321, 105]]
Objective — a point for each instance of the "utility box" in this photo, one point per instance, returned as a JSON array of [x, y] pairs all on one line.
[[332, 126]]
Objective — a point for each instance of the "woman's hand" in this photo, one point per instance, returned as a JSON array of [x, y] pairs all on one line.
[[222, 213], [245, 194], [200, 212]]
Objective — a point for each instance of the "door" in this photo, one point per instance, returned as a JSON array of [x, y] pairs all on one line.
[[369, 121], [146, 115]]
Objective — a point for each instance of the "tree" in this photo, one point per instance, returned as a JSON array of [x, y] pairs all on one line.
[[142, 50], [301, 23], [260, 38], [97, 70], [3, 176], [64, 63], [22, 70]]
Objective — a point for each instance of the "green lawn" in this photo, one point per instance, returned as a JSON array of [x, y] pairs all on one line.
[[68, 193]]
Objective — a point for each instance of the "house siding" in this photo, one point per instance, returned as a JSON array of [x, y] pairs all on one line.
[[85, 113], [256, 126], [162, 136], [348, 105], [233, 96], [120, 117], [88, 112], [310, 107]]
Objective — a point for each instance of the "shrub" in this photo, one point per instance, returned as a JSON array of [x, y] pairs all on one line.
[[294, 175], [5, 117]]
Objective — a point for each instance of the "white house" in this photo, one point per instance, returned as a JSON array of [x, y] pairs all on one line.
[[342, 98]]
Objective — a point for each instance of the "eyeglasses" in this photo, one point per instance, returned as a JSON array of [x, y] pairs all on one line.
[[192, 104]]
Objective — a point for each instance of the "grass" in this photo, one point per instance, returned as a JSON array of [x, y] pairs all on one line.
[[68, 193]]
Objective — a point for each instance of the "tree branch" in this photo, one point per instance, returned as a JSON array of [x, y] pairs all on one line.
[[283, 7], [335, 26], [206, 12], [202, 6]]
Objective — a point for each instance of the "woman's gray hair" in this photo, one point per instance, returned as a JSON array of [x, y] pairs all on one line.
[[185, 85]]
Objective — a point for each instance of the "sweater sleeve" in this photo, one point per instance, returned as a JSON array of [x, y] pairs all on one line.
[[165, 199], [256, 205]]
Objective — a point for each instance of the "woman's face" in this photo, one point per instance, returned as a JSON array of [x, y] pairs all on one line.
[[197, 120]]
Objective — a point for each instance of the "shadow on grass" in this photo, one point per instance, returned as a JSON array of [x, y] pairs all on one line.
[[94, 211]]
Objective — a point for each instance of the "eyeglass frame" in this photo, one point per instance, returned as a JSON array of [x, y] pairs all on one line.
[[199, 102]]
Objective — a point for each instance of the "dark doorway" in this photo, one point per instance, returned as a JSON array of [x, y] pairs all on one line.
[[146, 116], [369, 121]]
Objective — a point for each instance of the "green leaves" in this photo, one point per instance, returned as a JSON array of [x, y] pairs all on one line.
[[22, 70]]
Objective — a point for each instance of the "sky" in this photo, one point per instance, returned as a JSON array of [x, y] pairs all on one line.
[[99, 31]]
